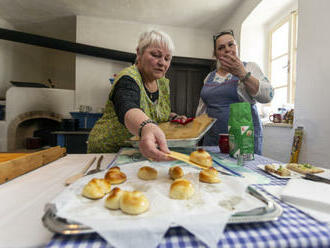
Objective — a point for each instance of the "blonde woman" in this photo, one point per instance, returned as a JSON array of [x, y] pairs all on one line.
[[139, 99]]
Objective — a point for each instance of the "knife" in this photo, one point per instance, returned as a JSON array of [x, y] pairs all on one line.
[[226, 168], [316, 178], [74, 178]]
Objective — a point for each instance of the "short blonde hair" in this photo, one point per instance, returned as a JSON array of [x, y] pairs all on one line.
[[154, 37]]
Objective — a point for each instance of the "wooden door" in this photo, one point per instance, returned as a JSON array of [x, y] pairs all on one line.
[[186, 82]]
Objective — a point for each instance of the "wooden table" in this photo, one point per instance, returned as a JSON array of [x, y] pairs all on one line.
[[23, 200]]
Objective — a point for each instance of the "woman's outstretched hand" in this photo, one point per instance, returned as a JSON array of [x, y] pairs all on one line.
[[153, 143]]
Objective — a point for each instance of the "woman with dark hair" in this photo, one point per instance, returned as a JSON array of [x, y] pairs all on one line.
[[233, 81]]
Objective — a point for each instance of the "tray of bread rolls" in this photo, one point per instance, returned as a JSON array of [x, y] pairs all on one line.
[[270, 212], [131, 190], [178, 135]]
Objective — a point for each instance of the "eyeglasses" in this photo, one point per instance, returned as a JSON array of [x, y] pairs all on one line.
[[229, 31]]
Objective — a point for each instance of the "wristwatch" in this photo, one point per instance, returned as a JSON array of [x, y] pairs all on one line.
[[246, 77]]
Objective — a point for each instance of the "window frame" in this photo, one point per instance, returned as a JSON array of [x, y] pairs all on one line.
[[291, 19]]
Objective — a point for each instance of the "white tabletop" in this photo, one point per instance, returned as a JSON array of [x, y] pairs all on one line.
[[23, 200]]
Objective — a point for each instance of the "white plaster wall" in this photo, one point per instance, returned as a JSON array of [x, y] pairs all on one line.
[[92, 80], [254, 47], [312, 92], [92, 74], [61, 68], [240, 14], [26, 99], [277, 143], [21, 100], [20, 62], [5, 61], [27, 63], [311, 109], [123, 36]]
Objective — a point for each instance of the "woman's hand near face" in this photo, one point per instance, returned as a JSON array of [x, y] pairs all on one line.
[[233, 65], [153, 143]]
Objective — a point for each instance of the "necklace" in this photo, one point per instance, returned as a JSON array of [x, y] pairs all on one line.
[[153, 88], [152, 95]]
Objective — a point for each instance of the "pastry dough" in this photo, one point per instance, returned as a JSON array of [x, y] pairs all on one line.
[[190, 130], [147, 173], [175, 172], [279, 171], [181, 189], [201, 157], [113, 200], [304, 168], [209, 175], [115, 176], [133, 202], [96, 188]]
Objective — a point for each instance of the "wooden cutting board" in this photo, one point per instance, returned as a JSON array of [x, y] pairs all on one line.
[[15, 164], [9, 156]]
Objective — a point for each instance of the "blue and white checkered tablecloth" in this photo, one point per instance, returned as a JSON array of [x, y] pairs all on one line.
[[292, 229]]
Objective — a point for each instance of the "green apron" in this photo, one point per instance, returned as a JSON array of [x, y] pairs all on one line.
[[108, 134]]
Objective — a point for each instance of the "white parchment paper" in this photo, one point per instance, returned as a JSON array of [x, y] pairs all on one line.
[[205, 214]]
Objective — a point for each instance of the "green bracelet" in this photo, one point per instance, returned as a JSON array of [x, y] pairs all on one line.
[[145, 123], [246, 77]]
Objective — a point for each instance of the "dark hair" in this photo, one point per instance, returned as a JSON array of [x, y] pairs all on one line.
[[216, 36]]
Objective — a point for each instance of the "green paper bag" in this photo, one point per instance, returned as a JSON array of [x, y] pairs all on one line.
[[241, 131]]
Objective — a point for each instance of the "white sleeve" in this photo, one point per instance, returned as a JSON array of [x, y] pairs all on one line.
[[201, 108], [265, 92]]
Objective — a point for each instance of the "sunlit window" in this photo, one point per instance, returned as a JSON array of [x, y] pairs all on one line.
[[282, 63]]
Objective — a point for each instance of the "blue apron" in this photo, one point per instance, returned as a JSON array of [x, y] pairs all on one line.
[[218, 97]]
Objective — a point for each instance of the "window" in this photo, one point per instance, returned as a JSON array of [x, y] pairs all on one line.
[[282, 60]]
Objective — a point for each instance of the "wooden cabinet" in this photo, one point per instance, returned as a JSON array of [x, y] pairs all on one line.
[[186, 77], [73, 141]]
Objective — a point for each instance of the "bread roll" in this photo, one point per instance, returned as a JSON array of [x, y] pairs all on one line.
[[96, 188], [175, 172], [279, 171], [201, 157], [115, 168], [209, 175], [304, 168], [181, 189], [133, 202], [113, 200], [270, 168], [115, 176], [147, 173]]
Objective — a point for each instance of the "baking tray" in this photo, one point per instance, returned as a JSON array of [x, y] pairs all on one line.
[[192, 142], [270, 212]]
